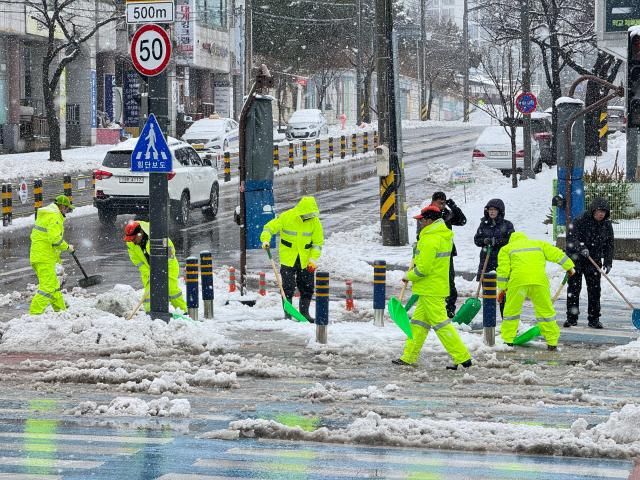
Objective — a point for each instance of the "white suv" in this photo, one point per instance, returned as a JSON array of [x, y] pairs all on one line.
[[192, 183]]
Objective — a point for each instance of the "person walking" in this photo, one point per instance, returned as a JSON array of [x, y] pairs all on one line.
[[136, 236], [521, 272], [301, 240], [430, 281], [47, 242], [494, 231], [452, 216], [590, 235]]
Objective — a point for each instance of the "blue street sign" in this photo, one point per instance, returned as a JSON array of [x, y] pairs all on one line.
[[526, 102], [151, 153]]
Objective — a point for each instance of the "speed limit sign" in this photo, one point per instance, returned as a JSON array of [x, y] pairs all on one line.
[[150, 50]]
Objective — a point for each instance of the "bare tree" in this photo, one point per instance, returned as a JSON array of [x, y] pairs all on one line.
[[69, 17], [502, 68], [323, 78]]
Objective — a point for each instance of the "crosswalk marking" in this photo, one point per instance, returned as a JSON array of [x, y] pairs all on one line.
[[49, 462], [192, 476], [28, 476], [88, 438], [443, 461], [83, 449]]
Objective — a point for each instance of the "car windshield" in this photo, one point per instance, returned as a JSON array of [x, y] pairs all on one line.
[[305, 117], [117, 160], [206, 125]]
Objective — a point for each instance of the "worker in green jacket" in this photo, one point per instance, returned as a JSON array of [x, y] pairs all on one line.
[[138, 246], [301, 240], [430, 280], [47, 242], [522, 274]]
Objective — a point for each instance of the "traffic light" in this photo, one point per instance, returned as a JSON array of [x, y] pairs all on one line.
[[633, 79]]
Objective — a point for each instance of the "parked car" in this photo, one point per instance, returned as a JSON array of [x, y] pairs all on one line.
[[307, 123], [213, 133], [542, 131], [616, 119], [493, 149], [193, 183]]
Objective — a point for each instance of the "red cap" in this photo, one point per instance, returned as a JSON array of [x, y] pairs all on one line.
[[130, 231], [431, 212]]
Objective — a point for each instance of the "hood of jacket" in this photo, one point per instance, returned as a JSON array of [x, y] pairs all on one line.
[[515, 236], [437, 228], [307, 206], [495, 203], [600, 204]]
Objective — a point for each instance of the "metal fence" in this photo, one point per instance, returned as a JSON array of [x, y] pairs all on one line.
[[624, 201]]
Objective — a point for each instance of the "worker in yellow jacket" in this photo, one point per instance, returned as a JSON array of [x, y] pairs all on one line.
[[138, 246], [301, 240], [521, 274], [430, 280], [47, 242]]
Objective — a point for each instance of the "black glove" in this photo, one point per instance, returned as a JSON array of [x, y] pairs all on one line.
[[450, 202], [606, 269], [584, 252]]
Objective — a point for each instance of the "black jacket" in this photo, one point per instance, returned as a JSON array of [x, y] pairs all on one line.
[[587, 232], [452, 215], [496, 230]]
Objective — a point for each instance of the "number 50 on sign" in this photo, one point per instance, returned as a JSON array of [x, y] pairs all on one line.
[[150, 50]]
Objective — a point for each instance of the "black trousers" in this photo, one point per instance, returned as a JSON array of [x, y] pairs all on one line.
[[295, 276], [592, 278], [453, 293]]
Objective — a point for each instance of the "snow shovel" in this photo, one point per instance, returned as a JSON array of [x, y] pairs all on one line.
[[471, 306], [398, 312], [86, 281], [635, 315], [534, 331], [288, 308]]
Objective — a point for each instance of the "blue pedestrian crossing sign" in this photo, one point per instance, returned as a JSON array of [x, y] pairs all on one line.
[[151, 153]]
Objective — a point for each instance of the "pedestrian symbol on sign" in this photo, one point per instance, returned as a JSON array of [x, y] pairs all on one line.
[[151, 153]]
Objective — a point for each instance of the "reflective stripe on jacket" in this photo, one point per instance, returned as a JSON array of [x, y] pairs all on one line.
[[139, 259], [430, 274], [298, 238], [522, 262], [47, 236]]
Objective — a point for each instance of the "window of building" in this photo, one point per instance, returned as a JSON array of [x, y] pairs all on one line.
[[211, 13]]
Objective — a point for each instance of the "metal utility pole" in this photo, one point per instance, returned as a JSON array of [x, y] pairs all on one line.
[[359, 98], [392, 199], [421, 62], [248, 46], [527, 171], [465, 59]]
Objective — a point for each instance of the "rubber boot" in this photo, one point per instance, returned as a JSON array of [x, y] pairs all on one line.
[[304, 309]]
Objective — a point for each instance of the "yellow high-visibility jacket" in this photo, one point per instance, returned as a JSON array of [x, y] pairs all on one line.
[[522, 262], [140, 260], [298, 238], [430, 274], [47, 236]]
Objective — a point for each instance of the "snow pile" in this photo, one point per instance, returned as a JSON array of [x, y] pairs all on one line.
[[120, 301], [330, 392], [135, 407], [605, 440], [629, 353], [9, 298]]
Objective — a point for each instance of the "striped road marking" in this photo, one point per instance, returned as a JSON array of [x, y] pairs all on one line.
[[71, 448], [48, 462], [27, 476], [87, 438]]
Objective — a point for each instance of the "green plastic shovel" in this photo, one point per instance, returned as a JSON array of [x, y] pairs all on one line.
[[288, 308], [527, 336], [471, 306], [398, 312]]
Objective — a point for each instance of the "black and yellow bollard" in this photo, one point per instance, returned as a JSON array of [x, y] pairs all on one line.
[[191, 281], [6, 209], [354, 144], [206, 275], [322, 306], [365, 142], [291, 162], [37, 195], [603, 130], [93, 184], [376, 139], [67, 187], [227, 166], [276, 157], [489, 295], [317, 150], [304, 154], [330, 148], [343, 146]]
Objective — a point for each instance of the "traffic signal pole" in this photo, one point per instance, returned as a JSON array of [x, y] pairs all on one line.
[[392, 197], [633, 102], [527, 171]]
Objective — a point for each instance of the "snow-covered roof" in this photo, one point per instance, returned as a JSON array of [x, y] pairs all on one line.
[[131, 143], [634, 31], [562, 100], [540, 115]]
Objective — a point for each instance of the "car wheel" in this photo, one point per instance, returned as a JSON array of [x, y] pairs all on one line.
[[107, 217], [182, 210], [211, 210]]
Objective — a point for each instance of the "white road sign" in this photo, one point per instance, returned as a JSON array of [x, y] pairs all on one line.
[[150, 12]]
